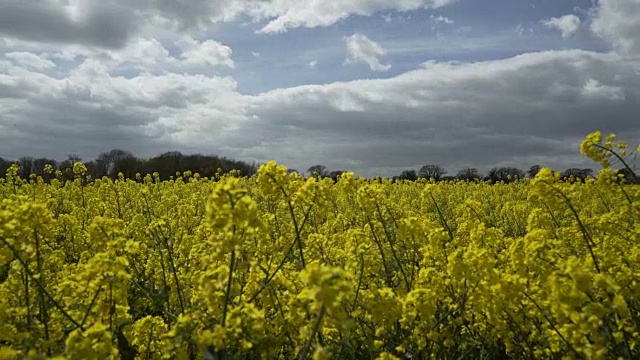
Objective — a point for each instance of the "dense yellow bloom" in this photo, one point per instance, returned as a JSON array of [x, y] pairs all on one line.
[[79, 169], [280, 266], [94, 343]]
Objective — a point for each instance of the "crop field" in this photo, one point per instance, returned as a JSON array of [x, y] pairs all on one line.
[[279, 266]]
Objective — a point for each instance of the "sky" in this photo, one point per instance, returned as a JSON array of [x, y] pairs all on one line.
[[370, 86]]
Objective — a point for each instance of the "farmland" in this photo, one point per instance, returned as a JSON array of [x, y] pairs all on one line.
[[278, 265]]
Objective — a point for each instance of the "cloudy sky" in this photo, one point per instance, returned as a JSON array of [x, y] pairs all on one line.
[[372, 86]]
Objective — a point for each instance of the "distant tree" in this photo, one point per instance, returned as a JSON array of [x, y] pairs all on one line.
[[408, 175], [533, 171], [468, 174], [39, 165], [504, 174], [335, 175], [129, 167], [628, 176], [168, 163], [74, 158], [105, 162], [576, 174], [27, 167], [431, 172], [119, 161], [91, 169], [207, 166], [317, 171], [66, 166], [4, 166]]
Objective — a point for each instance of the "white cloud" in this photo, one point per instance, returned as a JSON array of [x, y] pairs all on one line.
[[284, 14], [523, 30], [618, 21], [255, 54], [441, 19], [208, 52], [567, 24], [312, 64], [30, 60], [89, 110], [361, 49], [593, 89], [141, 53]]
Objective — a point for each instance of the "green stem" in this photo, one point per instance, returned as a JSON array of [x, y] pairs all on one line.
[[583, 229], [316, 327], [227, 298], [284, 260], [635, 177], [40, 285], [553, 327], [44, 311]]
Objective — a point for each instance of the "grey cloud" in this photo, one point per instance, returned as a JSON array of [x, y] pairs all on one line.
[[452, 114], [89, 111], [445, 95], [480, 150], [110, 23], [104, 25], [107, 23], [519, 111]]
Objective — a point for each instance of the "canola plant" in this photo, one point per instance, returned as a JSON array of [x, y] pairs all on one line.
[[279, 266]]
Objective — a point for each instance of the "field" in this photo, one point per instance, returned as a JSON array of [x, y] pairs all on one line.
[[282, 266]]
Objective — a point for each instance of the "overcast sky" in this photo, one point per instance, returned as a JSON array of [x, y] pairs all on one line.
[[371, 86]]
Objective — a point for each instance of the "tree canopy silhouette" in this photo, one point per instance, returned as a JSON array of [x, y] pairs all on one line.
[[430, 171]]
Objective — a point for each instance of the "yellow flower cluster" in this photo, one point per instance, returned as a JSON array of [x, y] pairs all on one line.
[[278, 266]]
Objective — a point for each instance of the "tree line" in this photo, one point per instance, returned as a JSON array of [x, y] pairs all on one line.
[[166, 165], [115, 162], [495, 175]]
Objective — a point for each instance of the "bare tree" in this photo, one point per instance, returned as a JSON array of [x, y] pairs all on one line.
[[573, 174], [432, 172], [106, 162], [4, 166], [533, 170], [504, 174], [27, 167], [468, 174], [408, 175], [335, 175], [318, 171]]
